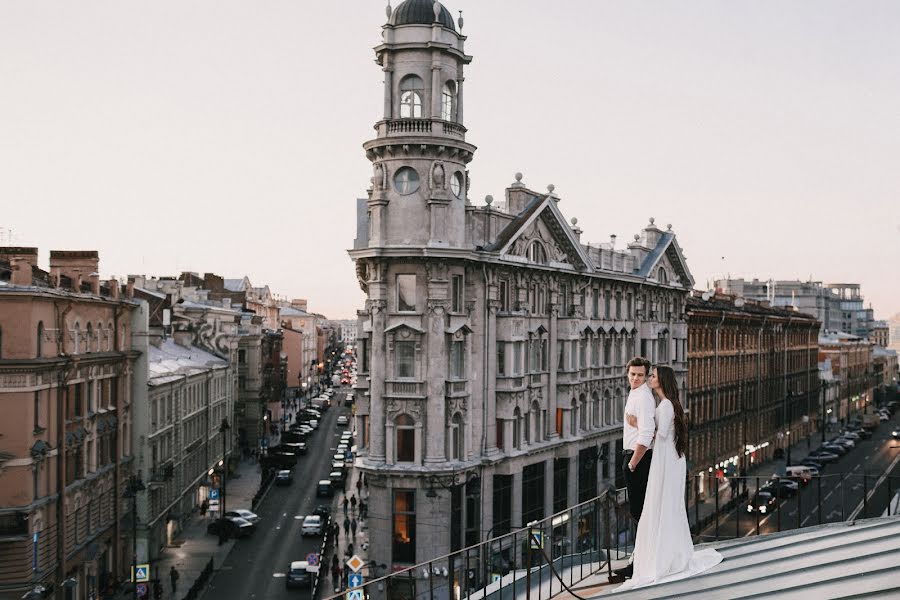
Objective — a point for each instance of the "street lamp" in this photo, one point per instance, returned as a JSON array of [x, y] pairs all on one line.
[[132, 488], [223, 429]]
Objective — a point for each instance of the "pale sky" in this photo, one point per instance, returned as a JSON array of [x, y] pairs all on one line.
[[226, 136]]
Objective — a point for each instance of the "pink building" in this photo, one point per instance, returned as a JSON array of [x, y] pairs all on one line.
[[65, 438]]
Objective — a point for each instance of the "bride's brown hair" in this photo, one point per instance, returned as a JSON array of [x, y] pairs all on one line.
[[669, 385]]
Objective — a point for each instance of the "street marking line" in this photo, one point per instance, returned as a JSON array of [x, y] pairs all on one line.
[[279, 575], [871, 493]]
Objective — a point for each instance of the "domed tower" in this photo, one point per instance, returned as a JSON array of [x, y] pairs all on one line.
[[420, 154]]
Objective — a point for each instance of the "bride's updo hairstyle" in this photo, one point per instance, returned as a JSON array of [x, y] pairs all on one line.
[[669, 385]]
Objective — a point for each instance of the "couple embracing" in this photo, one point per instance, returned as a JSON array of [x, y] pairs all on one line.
[[654, 442]]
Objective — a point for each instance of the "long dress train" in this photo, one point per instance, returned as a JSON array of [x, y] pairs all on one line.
[[664, 550]]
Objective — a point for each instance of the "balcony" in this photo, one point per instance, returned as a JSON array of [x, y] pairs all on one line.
[[457, 388], [510, 383], [406, 127], [404, 389]]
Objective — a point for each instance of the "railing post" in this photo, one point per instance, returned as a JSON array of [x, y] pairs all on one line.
[[715, 480], [843, 516], [865, 495], [757, 511], [737, 510], [528, 564], [430, 582], [697, 505], [819, 491], [799, 505], [890, 496]]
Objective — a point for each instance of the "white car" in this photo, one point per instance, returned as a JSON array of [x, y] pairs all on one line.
[[343, 420], [845, 442], [312, 525], [849, 435], [314, 423], [244, 514]]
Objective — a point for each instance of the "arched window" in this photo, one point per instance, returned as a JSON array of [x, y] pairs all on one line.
[[536, 253], [40, 338], [662, 276], [88, 338], [412, 90], [582, 413], [607, 408], [457, 450], [620, 405], [538, 431], [110, 334], [406, 438], [448, 101], [77, 337], [595, 410], [517, 429]]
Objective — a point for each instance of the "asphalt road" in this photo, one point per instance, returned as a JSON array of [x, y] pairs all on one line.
[[834, 497], [256, 566]]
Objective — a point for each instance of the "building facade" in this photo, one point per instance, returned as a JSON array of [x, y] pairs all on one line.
[[881, 334], [301, 346], [852, 371], [752, 385], [66, 370], [189, 393], [493, 343]]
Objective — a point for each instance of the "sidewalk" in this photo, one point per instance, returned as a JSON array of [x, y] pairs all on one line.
[[360, 541], [194, 547]]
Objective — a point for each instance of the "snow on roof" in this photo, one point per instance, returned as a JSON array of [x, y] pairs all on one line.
[[153, 293], [171, 361]]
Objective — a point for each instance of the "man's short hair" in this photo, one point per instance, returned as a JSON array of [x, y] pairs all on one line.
[[639, 361]]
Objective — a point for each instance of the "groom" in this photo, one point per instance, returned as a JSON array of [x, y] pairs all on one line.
[[639, 423]]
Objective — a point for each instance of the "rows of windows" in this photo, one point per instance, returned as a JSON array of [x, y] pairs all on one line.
[[591, 350]]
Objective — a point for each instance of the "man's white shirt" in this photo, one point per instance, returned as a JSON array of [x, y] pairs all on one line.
[[642, 405]]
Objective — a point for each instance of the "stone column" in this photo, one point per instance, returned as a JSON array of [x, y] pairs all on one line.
[[490, 330], [459, 100], [435, 89], [552, 363], [388, 87], [437, 367], [377, 368], [548, 487]]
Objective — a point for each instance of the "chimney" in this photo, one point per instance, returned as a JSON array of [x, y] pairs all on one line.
[[95, 283], [74, 264], [298, 303], [129, 289], [21, 261], [113, 288]]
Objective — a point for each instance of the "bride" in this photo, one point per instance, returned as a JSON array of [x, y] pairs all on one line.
[[663, 550]]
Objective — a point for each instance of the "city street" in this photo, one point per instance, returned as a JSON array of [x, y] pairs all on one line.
[[840, 490], [256, 566]]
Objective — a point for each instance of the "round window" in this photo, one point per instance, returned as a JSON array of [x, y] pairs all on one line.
[[406, 180], [456, 184]]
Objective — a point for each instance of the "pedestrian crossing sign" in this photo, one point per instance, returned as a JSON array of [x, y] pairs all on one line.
[[140, 573], [537, 539], [355, 595]]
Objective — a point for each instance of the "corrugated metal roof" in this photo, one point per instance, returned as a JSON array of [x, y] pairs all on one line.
[[840, 560]]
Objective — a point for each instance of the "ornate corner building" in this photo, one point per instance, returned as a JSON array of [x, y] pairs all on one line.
[[493, 341]]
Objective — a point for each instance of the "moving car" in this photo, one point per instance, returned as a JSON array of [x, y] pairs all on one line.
[[762, 502], [312, 525], [781, 487], [324, 511], [343, 421], [298, 576], [324, 489], [231, 527], [244, 514], [284, 477]]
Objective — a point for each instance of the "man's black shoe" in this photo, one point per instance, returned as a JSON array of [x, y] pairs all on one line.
[[625, 572]]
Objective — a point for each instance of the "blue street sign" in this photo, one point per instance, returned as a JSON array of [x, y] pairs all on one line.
[[142, 589], [312, 558], [140, 574], [355, 595], [355, 580], [214, 493]]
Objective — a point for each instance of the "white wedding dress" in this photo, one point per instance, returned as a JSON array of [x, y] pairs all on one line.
[[663, 550]]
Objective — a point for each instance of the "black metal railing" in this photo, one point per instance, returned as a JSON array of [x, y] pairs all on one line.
[[534, 562]]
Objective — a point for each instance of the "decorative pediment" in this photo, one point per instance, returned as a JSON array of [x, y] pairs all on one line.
[[540, 235], [667, 261], [404, 325], [458, 330]]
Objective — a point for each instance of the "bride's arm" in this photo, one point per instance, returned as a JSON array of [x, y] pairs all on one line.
[[666, 421]]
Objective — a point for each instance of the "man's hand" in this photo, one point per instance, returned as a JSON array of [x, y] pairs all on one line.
[[632, 420]]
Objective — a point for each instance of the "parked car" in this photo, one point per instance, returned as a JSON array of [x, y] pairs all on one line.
[[324, 511], [336, 478], [762, 502], [834, 448], [314, 423], [813, 463], [343, 421], [845, 442], [298, 576], [324, 489], [821, 455], [884, 417], [337, 465], [850, 435], [245, 514], [297, 447], [233, 527], [312, 525], [284, 477]]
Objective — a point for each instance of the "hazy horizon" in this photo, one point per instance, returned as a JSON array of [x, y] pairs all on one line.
[[227, 137]]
